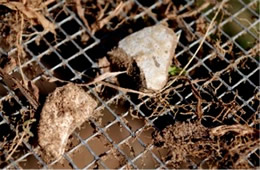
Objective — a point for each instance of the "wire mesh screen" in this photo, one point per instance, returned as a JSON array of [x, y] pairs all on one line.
[[206, 117]]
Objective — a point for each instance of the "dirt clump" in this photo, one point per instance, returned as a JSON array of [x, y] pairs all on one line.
[[183, 140], [64, 110], [119, 61], [191, 145]]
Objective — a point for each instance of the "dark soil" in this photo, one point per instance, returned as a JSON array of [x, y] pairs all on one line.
[[121, 62]]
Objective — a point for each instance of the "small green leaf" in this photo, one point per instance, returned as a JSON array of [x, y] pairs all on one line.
[[175, 71]]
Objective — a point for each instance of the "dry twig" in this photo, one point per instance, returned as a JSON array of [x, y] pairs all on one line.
[[238, 128], [196, 11], [27, 93], [125, 90], [104, 76], [81, 12], [114, 13]]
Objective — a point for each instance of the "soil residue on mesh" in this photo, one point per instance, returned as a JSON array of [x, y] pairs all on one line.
[[64, 110], [191, 145]]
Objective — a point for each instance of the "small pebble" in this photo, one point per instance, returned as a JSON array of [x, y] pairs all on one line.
[[152, 48]]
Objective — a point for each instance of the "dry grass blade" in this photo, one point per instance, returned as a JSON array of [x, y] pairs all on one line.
[[105, 76], [30, 13], [96, 80], [102, 77], [198, 97], [195, 12], [125, 90], [81, 12], [114, 13], [200, 45], [240, 129], [46, 3], [14, 148], [27, 93]]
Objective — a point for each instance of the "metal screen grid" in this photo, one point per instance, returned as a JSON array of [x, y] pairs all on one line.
[[96, 41]]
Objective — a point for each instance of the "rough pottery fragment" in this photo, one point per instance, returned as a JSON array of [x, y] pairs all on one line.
[[64, 110], [152, 49]]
